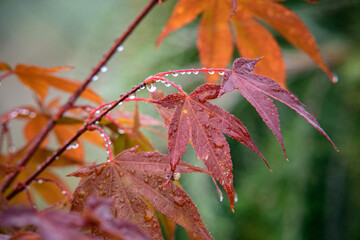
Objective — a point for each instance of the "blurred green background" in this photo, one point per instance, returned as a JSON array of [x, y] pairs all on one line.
[[316, 195]]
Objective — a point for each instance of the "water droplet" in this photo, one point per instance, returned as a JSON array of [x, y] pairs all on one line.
[[24, 111], [218, 144], [14, 114], [32, 115], [221, 73], [63, 192], [40, 181], [75, 145], [177, 176], [132, 96], [120, 48], [120, 131], [188, 73], [148, 215], [166, 75], [211, 72], [182, 73], [335, 78], [11, 149], [207, 157], [151, 87], [102, 135], [94, 78], [96, 122], [167, 84], [179, 201], [236, 199], [196, 72], [142, 87], [97, 111], [175, 74], [103, 69], [221, 197]]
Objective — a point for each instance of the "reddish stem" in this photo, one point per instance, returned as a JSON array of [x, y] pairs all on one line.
[[106, 139], [28, 195], [51, 123], [2, 77], [138, 100], [97, 110], [82, 130], [63, 190]]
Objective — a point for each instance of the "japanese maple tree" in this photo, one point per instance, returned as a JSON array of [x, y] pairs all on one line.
[[135, 192]]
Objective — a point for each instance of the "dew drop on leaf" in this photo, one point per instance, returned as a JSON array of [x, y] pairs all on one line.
[[167, 84], [120, 48], [175, 74], [148, 215], [196, 72], [221, 73], [179, 201], [40, 181], [182, 73], [211, 72], [132, 96]]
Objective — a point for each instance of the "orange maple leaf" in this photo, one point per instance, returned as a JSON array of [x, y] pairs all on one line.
[[39, 79], [253, 40]]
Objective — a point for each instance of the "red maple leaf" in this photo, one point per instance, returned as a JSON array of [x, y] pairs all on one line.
[[257, 90], [198, 120]]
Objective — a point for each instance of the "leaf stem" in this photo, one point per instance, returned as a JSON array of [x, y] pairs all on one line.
[[51, 123], [62, 188], [7, 74], [106, 139]]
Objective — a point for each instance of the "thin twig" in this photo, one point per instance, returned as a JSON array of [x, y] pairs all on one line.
[[51, 123], [7, 74], [82, 130], [62, 188]]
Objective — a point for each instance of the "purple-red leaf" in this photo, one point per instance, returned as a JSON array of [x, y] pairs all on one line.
[[201, 122], [52, 225], [257, 90]]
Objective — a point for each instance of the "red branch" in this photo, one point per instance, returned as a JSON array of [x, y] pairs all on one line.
[[51, 123], [82, 130]]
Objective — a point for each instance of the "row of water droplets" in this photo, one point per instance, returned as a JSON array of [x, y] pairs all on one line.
[[183, 72], [104, 68], [40, 181], [14, 114]]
